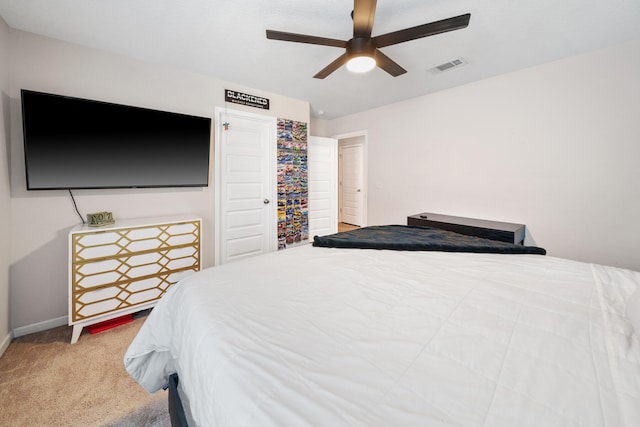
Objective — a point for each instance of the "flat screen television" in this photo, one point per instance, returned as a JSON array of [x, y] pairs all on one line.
[[73, 143]]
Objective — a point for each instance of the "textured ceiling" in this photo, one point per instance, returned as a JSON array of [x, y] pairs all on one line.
[[226, 40]]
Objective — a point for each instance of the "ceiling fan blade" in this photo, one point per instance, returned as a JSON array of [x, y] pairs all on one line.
[[438, 27], [364, 11], [388, 64], [339, 62], [302, 38]]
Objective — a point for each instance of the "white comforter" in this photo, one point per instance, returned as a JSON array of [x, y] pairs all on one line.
[[330, 337]]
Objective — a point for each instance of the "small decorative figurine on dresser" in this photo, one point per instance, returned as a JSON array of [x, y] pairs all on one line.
[[99, 219]]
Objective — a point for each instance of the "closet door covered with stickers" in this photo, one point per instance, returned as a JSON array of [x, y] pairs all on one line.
[[293, 185]]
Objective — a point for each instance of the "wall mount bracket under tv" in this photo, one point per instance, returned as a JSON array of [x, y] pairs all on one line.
[[74, 143]]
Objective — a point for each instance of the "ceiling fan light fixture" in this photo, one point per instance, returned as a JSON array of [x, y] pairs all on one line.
[[361, 64]]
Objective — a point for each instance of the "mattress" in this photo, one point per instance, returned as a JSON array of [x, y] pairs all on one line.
[[316, 336]]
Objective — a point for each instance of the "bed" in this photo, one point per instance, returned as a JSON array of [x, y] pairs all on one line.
[[326, 336]]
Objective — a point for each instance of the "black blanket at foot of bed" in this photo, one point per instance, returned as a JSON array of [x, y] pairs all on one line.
[[414, 238]]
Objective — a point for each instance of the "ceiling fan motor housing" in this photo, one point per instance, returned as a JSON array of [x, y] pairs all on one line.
[[360, 46]]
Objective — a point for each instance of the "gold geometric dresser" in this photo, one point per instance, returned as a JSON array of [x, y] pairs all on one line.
[[127, 266]]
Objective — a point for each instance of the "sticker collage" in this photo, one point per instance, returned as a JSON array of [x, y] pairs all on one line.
[[293, 185]]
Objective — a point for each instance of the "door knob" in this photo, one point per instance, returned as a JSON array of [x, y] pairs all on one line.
[[265, 201], [358, 190]]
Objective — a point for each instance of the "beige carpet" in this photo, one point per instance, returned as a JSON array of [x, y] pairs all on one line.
[[45, 381]]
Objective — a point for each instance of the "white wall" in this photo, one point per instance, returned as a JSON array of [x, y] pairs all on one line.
[[319, 127], [556, 147], [41, 219], [5, 200]]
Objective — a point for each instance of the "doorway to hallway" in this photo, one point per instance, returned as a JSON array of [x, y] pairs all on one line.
[[352, 188]]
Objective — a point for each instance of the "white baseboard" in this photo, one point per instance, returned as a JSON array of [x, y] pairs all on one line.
[[4, 344], [40, 326]]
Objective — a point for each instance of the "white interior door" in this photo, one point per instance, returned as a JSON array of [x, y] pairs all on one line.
[[351, 184], [323, 186], [246, 202]]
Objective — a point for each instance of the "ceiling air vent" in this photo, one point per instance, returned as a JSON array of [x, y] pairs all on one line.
[[448, 65]]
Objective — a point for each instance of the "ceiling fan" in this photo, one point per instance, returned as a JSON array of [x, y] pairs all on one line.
[[363, 51]]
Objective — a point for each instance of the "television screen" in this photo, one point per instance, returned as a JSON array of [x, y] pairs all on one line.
[[73, 143]]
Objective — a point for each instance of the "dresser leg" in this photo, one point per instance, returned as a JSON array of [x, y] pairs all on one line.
[[77, 330]]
